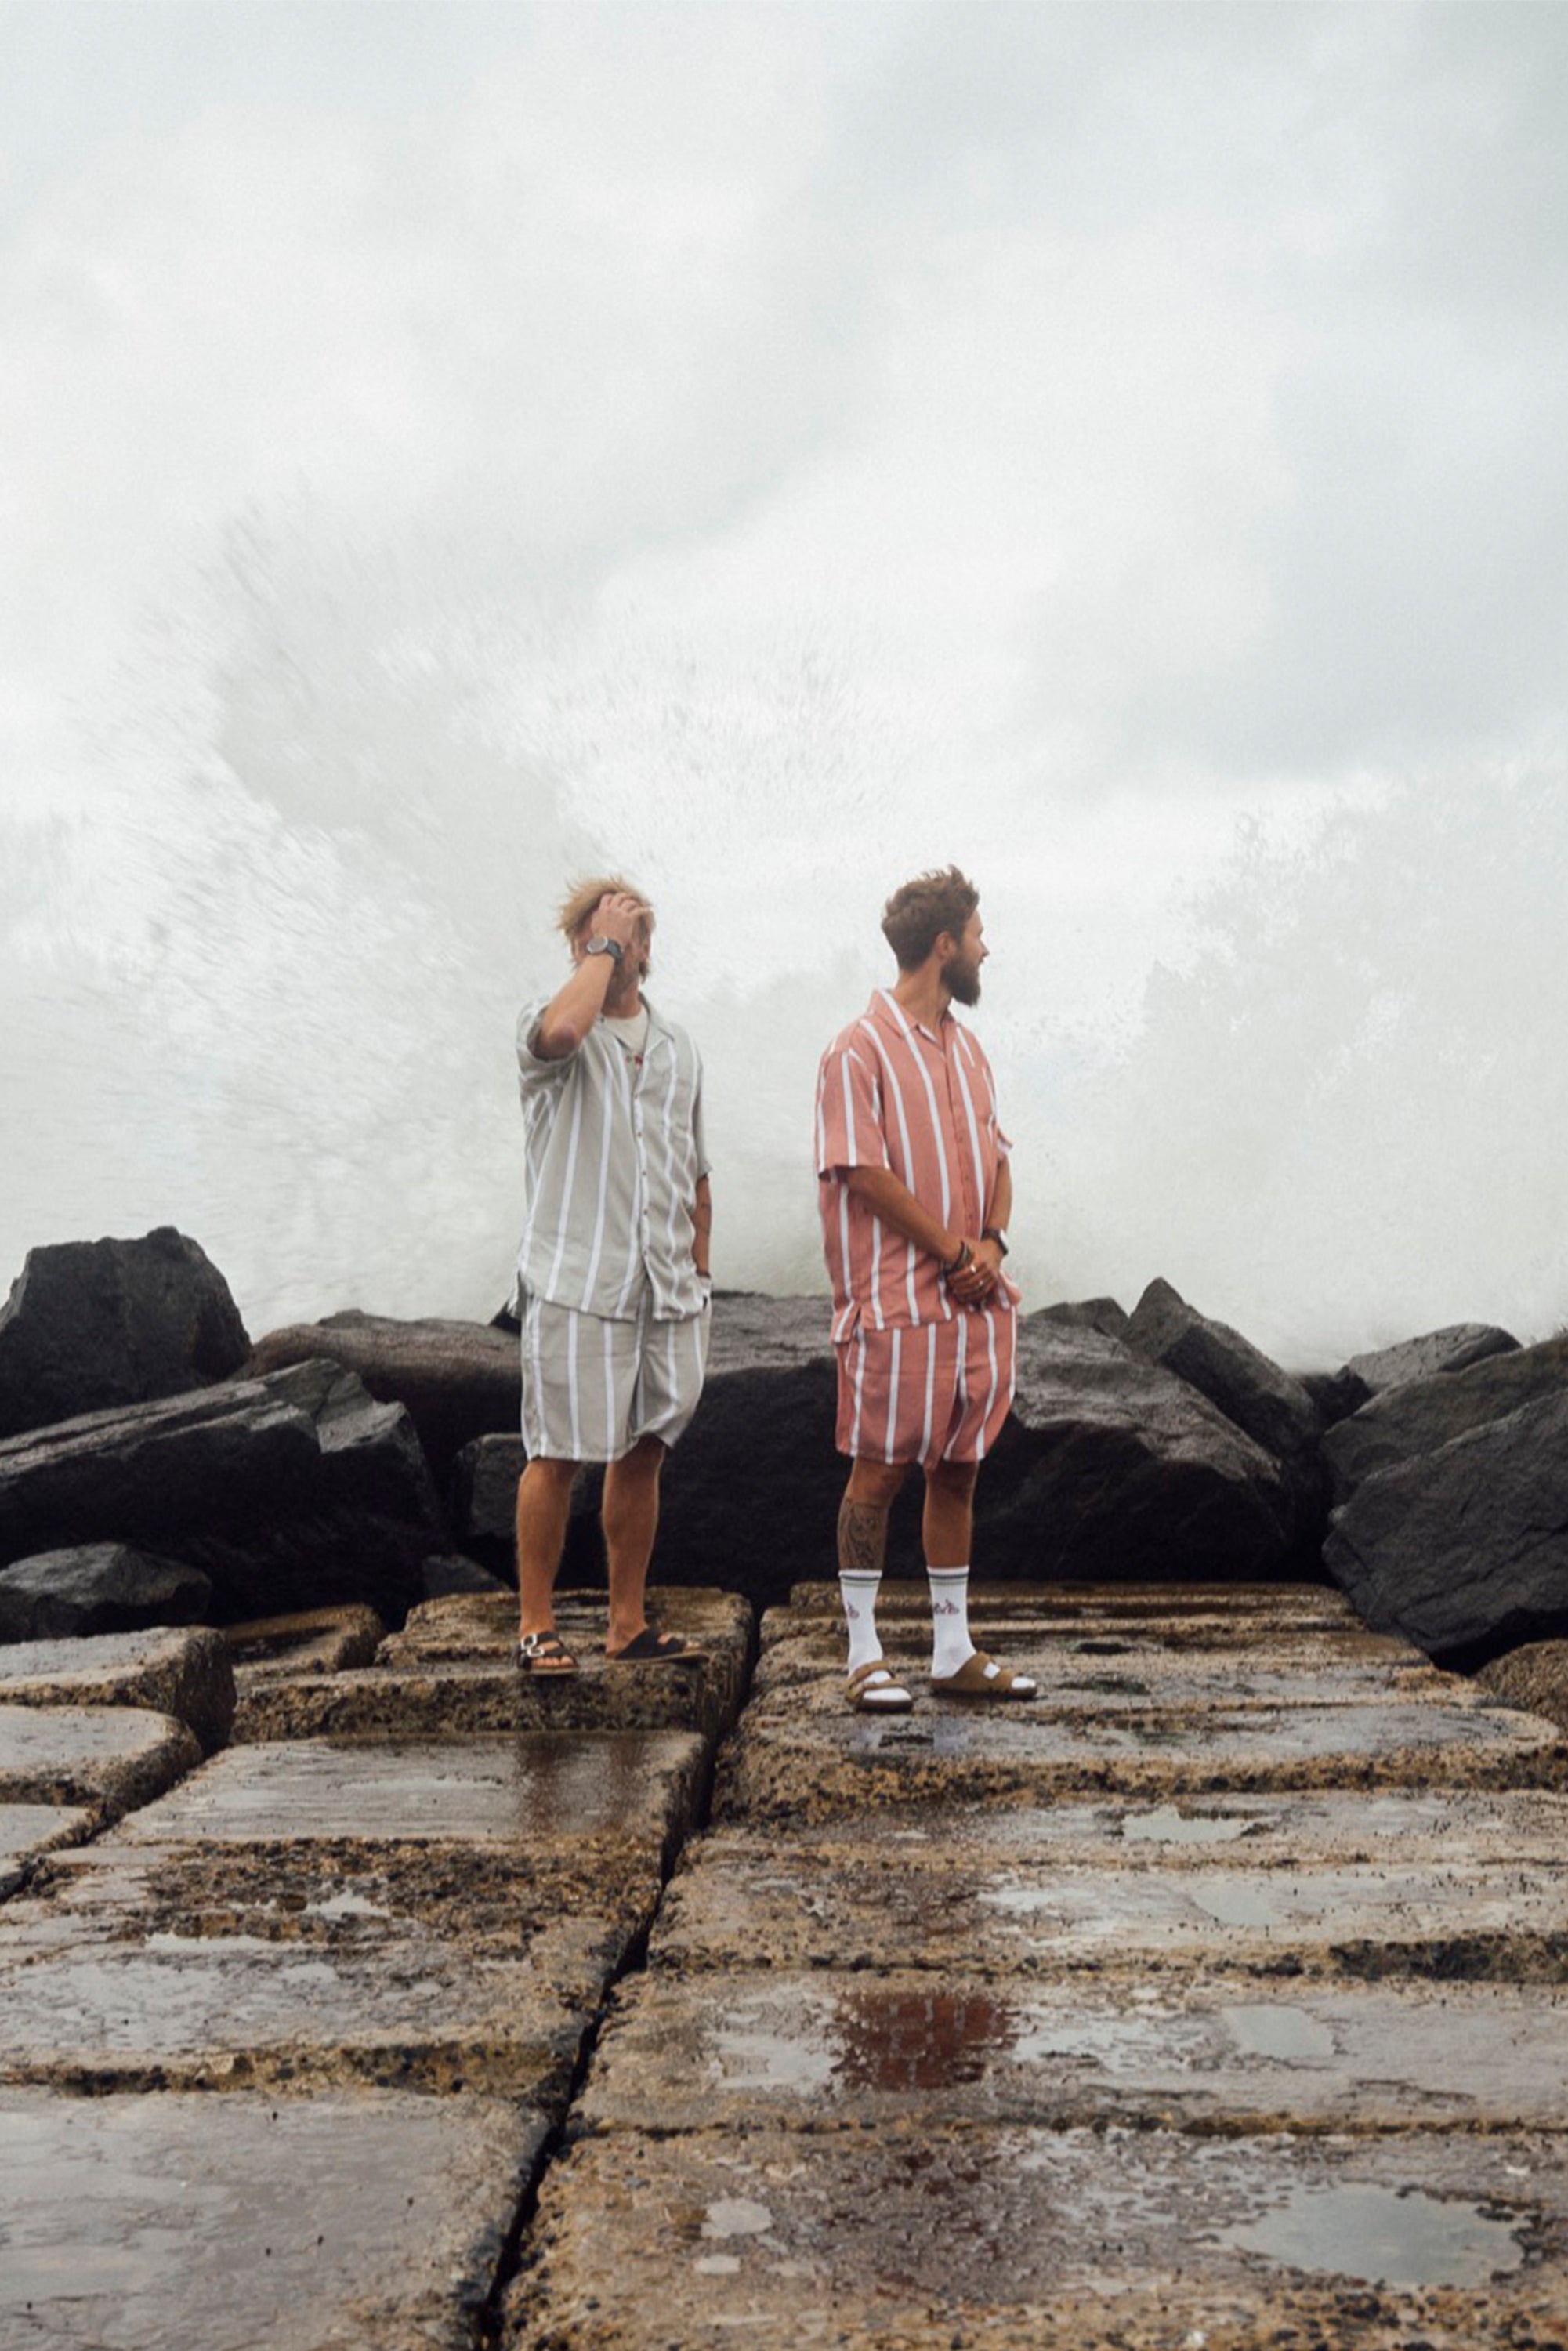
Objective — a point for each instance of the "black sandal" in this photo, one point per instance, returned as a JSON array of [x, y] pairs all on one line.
[[652, 1647], [546, 1655]]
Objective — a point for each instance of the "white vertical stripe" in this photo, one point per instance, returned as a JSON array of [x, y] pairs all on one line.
[[540, 1376], [937, 1136], [554, 1276], [892, 1396], [973, 1136], [995, 1374], [572, 1388], [930, 1387], [612, 1422], [859, 1394], [632, 1240], [600, 1213]]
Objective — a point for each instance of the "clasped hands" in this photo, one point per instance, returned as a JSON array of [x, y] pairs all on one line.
[[977, 1276]]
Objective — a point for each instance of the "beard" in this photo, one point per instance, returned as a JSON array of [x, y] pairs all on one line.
[[961, 978]]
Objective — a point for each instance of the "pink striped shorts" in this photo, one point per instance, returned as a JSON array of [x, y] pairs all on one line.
[[927, 1391]]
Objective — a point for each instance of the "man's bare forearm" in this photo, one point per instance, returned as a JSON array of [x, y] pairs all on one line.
[[1003, 1197], [896, 1204], [702, 1227], [573, 1008]]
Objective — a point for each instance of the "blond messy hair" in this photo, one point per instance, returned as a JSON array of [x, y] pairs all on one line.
[[583, 896]]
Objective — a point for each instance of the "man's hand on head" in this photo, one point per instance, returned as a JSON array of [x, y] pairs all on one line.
[[619, 916]]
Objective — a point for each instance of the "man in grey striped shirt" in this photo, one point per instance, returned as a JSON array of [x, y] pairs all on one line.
[[614, 1268]]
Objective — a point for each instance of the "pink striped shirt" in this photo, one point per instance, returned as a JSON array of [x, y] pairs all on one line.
[[894, 1093]]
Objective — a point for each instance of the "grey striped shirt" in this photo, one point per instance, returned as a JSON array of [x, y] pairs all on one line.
[[613, 1148]]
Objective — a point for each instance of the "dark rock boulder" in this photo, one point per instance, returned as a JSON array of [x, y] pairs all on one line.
[[1423, 1415], [455, 1380], [105, 1587], [1112, 1468], [1102, 1314], [92, 1325], [1452, 1349], [1264, 1402], [1336, 1395], [286, 1492], [453, 1570], [1109, 1466], [1465, 1549]]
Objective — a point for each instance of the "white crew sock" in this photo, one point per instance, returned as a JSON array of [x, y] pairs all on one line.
[[857, 1592], [950, 1644]]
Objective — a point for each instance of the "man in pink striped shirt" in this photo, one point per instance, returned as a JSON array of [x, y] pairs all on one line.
[[915, 1192]]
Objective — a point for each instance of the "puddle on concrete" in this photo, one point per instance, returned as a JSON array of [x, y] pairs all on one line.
[[1382, 2236], [1102, 1649], [906, 2042], [1289, 2035], [1236, 1901], [1166, 1826], [736, 2216]]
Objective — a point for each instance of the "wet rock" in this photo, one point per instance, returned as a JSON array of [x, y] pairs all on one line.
[[754, 2048], [286, 1492], [374, 2217], [1452, 1349], [1112, 1468], [185, 1675], [1271, 1406], [1465, 1549], [450, 1571], [1534, 1677], [1421, 1414], [314, 1641], [91, 1324], [29, 1831], [1049, 2241], [98, 1588], [452, 1668], [1102, 1314], [108, 1758], [455, 1380]]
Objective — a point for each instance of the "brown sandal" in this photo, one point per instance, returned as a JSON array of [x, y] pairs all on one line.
[[892, 1698], [980, 1677]]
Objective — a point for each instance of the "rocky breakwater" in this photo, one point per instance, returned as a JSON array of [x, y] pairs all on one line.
[[292, 2032], [160, 1468], [1215, 1999]]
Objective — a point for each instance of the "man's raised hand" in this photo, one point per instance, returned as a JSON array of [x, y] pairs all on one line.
[[619, 916]]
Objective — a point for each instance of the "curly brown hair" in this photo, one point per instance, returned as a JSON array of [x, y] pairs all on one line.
[[915, 916]]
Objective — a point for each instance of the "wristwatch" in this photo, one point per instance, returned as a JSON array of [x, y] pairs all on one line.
[[605, 946], [994, 1233]]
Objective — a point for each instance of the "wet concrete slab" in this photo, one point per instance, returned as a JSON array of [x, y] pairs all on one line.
[[1220, 1614], [452, 1670], [870, 1898], [1066, 2240], [106, 1757], [1079, 1675], [802, 1757], [846, 2050], [156, 2222], [27, 1831], [181, 1672], [313, 1641], [409, 2008], [532, 1788]]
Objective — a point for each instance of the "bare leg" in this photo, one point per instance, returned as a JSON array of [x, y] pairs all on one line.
[[862, 1547], [544, 1500], [630, 1521], [947, 1522]]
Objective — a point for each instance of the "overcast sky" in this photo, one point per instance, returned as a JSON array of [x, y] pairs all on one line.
[[1048, 433]]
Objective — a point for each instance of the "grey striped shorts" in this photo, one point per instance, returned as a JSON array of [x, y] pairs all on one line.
[[593, 1387]]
